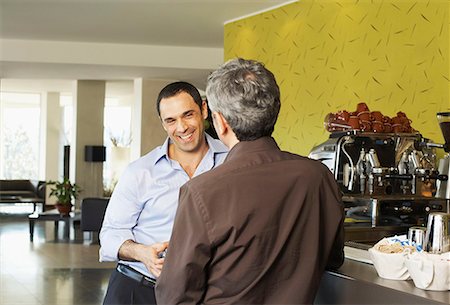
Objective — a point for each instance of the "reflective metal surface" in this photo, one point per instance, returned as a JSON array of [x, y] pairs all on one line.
[[416, 236], [388, 180], [379, 164], [437, 238], [358, 283], [52, 270]]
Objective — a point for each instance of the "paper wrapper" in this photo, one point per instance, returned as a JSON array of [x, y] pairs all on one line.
[[430, 271], [390, 265]]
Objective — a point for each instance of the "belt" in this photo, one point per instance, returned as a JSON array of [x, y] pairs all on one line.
[[136, 275]]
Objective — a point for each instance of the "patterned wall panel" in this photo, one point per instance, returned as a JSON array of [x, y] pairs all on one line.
[[331, 55]]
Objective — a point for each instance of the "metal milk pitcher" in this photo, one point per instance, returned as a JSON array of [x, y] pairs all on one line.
[[416, 236], [437, 238]]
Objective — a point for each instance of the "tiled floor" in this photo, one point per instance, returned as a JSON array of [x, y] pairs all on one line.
[[51, 270]]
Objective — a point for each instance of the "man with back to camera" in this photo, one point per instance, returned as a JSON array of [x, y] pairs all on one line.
[[139, 217], [262, 227]]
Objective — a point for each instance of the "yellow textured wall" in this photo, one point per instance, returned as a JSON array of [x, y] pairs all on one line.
[[330, 55]]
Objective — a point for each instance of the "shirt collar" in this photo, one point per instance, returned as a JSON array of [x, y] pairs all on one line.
[[248, 147], [214, 146]]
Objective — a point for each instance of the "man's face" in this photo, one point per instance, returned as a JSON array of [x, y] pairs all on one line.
[[183, 120]]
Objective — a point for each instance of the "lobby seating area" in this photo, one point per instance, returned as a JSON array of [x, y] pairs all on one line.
[[93, 211], [22, 191], [51, 270]]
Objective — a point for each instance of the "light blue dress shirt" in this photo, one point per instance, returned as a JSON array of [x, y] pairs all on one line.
[[144, 202]]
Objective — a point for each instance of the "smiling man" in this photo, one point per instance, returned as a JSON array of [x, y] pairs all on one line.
[[183, 120], [140, 214], [262, 227]]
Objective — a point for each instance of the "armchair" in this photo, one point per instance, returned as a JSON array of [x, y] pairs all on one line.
[[92, 214]]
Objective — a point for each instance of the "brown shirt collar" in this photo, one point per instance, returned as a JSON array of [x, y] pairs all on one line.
[[248, 147]]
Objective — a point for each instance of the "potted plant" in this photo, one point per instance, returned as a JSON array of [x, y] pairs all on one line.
[[64, 192]]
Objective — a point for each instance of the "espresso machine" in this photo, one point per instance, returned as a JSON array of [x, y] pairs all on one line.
[[388, 181], [443, 187]]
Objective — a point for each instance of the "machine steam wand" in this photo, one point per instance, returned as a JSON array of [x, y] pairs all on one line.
[[351, 181], [361, 170]]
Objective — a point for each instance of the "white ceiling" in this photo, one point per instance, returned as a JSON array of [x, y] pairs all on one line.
[[154, 22], [174, 23]]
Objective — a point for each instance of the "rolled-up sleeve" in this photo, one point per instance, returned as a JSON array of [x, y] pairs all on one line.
[[120, 217]]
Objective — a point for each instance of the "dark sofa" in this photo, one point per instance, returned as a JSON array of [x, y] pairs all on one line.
[[26, 191]]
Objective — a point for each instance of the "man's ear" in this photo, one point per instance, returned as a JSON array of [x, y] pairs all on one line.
[[223, 130], [204, 110], [220, 123]]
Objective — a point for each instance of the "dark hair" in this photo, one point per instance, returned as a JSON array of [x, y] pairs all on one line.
[[176, 88], [247, 95]]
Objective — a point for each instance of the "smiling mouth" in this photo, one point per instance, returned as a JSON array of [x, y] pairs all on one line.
[[186, 137]]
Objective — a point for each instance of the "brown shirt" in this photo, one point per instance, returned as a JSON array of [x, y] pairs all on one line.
[[259, 229]]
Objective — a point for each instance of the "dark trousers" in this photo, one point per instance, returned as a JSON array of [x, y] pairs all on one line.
[[125, 291]]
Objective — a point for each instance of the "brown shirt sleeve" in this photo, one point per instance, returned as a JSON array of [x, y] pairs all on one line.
[[332, 200], [183, 275]]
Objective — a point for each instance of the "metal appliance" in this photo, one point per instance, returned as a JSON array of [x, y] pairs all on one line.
[[443, 187], [437, 238], [388, 181]]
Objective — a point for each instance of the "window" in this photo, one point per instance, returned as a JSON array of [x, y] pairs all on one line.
[[19, 135], [117, 139]]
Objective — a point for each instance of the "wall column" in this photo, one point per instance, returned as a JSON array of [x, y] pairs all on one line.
[[51, 125], [88, 107], [147, 132], [50, 146]]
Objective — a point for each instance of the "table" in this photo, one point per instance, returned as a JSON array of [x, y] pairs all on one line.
[[18, 199], [53, 215]]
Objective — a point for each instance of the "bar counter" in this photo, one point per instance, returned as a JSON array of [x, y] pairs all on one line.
[[358, 283]]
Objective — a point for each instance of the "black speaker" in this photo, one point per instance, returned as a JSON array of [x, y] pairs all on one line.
[[66, 165], [94, 153]]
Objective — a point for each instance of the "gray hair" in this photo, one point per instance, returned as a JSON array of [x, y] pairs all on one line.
[[248, 97]]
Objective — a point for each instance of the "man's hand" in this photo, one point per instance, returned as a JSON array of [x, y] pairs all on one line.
[[147, 254], [153, 263]]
